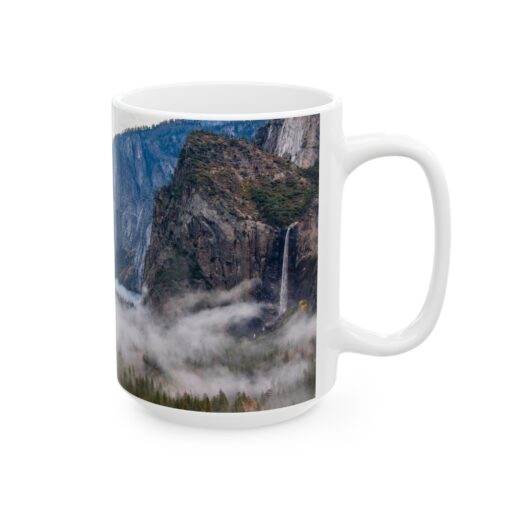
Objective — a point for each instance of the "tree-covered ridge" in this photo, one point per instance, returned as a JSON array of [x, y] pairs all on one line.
[[255, 184], [281, 203], [237, 128]]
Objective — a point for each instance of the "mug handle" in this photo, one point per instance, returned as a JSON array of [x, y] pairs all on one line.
[[355, 339]]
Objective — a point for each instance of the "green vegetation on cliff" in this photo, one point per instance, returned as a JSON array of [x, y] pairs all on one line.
[[281, 203], [247, 179]]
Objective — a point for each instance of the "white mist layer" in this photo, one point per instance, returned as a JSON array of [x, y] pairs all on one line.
[[197, 351], [127, 295]]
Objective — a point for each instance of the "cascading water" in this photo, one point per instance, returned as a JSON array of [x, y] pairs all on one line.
[[284, 286]]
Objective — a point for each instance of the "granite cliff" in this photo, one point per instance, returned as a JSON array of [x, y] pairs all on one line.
[[223, 218], [295, 138], [144, 159]]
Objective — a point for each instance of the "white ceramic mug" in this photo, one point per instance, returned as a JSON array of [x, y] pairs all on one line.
[[227, 214]]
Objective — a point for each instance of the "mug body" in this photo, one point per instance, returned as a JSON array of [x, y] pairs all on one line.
[[227, 219]]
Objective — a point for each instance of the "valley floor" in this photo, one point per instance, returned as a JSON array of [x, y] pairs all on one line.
[[181, 364]]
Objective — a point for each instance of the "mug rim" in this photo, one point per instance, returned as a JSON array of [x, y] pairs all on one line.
[[126, 101]]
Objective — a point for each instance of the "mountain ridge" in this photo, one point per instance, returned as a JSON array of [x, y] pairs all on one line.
[[222, 221], [144, 159]]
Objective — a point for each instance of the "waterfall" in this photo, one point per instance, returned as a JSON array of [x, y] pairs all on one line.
[[284, 286]]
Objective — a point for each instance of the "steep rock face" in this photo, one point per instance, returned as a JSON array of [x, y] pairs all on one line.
[[305, 274], [144, 159], [223, 218], [296, 138], [135, 179]]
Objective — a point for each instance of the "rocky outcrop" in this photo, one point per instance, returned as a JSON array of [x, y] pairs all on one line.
[[295, 138], [144, 159], [136, 176], [223, 218], [305, 264]]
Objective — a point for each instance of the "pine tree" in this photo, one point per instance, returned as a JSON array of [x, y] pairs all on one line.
[[206, 404], [223, 403], [238, 403]]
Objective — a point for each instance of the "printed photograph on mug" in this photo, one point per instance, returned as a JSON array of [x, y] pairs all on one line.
[[216, 235]]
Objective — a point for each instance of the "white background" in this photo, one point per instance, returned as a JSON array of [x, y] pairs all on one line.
[[428, 429]]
